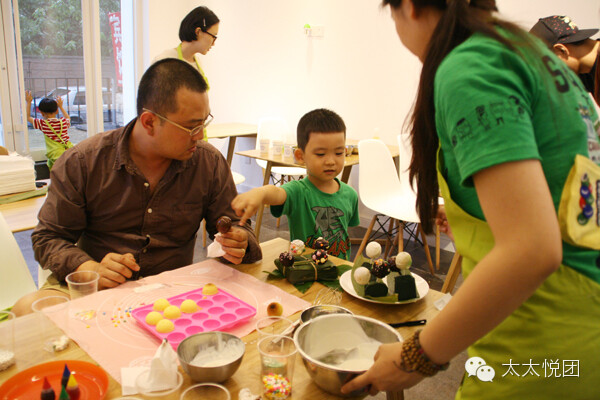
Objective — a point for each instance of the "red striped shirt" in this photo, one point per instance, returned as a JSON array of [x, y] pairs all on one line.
[[42, 125]]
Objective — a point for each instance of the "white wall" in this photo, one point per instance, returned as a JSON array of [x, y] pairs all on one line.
[[263, 64]]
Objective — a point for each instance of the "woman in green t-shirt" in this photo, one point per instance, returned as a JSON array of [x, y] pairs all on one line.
[[497, 127]]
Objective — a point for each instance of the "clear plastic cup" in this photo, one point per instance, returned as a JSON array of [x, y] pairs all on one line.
[[82, 283], [53, 315], [201, 391], [277, 359], [272, 325], [7, 339]]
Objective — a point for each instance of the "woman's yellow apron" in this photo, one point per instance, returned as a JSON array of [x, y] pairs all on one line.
[[549, 348], [180, 56]]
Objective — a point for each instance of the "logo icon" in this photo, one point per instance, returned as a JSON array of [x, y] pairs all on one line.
[[476, 366]]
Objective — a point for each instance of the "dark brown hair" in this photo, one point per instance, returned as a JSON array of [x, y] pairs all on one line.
[[460, 19], [320, 120]]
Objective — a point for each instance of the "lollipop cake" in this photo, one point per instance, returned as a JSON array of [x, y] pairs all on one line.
[[368, 276]]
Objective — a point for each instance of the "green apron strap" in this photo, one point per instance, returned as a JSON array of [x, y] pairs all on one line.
[[58, 135], [180, 56]]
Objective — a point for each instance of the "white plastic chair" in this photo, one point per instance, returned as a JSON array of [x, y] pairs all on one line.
[[405, 151], [16, 279], [380, 190]]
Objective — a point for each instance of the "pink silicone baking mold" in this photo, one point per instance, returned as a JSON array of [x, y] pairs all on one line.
[[217, 312]]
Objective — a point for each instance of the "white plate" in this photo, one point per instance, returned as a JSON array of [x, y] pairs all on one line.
[[346, 284]]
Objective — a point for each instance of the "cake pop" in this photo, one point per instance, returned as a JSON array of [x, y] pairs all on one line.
[[296, 247], [224, 224], [321, 244], [319, 256], [286, 259], [373, 250], [362, 275]]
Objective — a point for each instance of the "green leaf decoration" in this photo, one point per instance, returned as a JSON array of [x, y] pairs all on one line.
[[343, 268]]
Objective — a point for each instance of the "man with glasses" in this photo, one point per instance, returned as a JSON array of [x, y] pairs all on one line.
[[128, 203]]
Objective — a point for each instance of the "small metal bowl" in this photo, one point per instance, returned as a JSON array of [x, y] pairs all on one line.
[[328, 377], [190, 346], [324, 309]]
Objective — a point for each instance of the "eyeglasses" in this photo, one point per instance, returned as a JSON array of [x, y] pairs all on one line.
[[192, 132], [213, 36]]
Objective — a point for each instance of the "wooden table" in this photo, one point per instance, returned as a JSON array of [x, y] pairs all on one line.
[[231, 131], [247, 376], [278, 161], [22, 215]]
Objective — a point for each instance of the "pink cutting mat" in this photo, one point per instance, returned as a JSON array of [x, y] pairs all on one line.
[[107, 331], [217, 312]]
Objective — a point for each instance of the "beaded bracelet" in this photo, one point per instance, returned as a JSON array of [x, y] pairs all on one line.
[[414, 359]]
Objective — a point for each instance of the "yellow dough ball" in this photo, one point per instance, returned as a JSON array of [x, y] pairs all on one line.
[[274, 309], [172, 312], [189, 306], [165, 326], [153, 317], [209, 289], [160, 304]]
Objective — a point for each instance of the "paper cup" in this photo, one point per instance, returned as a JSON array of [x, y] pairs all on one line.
[[82, 283], [277, 148], [288, 150], [264, 146]]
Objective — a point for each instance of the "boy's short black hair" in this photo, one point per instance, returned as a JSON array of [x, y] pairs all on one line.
[[320, 120], [200, 17], [48, 105]]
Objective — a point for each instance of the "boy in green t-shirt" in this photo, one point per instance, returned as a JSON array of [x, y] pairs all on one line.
[[318, 205]]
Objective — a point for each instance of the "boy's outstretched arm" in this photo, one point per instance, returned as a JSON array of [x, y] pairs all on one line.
[[59, 101], [29, 99], [247, 204]]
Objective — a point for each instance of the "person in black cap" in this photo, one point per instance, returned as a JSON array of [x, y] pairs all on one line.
[[574, 47]]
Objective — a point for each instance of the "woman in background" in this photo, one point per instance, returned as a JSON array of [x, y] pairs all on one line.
[[498, 125], [198, 33]]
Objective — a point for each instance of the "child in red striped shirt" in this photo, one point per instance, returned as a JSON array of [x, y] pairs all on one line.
[[55, 129]]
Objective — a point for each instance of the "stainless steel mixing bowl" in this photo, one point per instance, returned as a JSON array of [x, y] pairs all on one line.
[[323, 309], [189, 347], [328, 377]]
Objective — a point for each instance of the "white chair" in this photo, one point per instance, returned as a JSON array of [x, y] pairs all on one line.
[[16, 280], [405, 151], [380, 190], [275, 128]]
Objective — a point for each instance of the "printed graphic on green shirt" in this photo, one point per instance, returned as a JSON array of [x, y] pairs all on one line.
[[328, 225]]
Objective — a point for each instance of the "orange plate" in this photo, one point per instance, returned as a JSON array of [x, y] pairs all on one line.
[[27, 384]]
